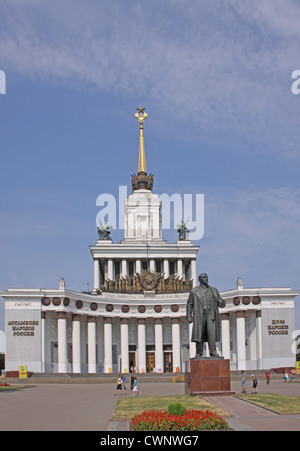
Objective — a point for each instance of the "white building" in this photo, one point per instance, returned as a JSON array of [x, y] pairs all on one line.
[[135, 316]]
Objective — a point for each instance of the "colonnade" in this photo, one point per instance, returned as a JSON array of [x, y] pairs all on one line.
[[140, 347], [179, 268]]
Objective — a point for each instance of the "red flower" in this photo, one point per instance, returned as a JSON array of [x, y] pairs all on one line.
[[192, 420]]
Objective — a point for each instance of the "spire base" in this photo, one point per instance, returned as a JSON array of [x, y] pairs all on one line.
[[142, 181]]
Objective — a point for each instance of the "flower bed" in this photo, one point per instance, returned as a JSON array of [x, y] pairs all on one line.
[[192, 420]]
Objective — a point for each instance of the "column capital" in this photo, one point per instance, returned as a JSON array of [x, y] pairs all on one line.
[[241, 314], [141, 321], [43, 315], [91, 319], [61, 315], [175, 320], [124, 321], [258, 313], [224, 316], [107, 320], [158, 321], [75, 317]]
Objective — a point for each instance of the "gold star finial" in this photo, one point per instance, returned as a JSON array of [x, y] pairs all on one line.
[[141, 115]]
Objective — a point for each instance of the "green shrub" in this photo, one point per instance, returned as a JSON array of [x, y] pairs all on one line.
[[176, 408]]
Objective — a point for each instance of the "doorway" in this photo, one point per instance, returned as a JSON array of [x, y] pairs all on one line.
[[150, 361], [132, 361], [168, 362]]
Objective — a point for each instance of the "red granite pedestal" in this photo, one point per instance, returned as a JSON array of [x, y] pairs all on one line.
[[208, 376]]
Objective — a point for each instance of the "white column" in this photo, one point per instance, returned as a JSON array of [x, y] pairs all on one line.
[[124, 345], [43, 333], [225, 335], [192, 343], [62, 342], [159, 354], [96, 274], [138, 266], [91, 332], [124, 268], [152, 265], [76, 352], [241, 339], [180, 268], [176, 344], [110, 269], [259, 340], [166, 268], [141, 345], [108, 345], [194, 272]]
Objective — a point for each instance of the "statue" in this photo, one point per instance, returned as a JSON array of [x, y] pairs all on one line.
[[103, 231], [202, 310], [183, 231]]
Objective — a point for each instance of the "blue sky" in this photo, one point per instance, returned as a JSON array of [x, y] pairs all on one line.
[[215, 77]]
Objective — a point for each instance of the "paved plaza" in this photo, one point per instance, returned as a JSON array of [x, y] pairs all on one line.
[[90, 407]]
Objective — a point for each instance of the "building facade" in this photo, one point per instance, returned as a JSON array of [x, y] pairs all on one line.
[[135, 317]]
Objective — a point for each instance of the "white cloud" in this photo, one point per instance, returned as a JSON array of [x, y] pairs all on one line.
[[226, 73]]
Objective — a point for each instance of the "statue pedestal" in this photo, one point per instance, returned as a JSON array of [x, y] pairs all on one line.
[[208, 376]]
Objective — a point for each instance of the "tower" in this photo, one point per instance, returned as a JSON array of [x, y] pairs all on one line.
[[143, 247], [142, 219]]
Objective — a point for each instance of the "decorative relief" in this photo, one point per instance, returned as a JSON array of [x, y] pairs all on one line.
[[56, 301], [46, 301], [246, 300], [256, 300], [79, 304], [66, 302], [147, 281], [236, 300]]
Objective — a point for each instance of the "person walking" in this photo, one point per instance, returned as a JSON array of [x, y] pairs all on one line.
[[123, 381], [254, 381], [286, 378], [243, 381], [293, 375], [268, 377], [120, 387], [135, 389]]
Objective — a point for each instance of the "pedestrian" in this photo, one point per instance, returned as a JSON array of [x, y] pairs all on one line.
[[243, 382], [123, 381], [286, 378], [254, 380], [268, 376], [120, 387], [135, 389], [131, 382], [293, 375]]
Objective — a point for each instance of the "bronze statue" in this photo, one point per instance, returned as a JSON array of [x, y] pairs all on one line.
[[183, 231], [203, 311], [103, 231]]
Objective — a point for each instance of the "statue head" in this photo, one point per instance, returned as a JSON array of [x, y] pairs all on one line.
[[203, 278]]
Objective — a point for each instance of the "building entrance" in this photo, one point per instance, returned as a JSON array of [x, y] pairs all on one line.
[[150, 361], [132, 362], [168, 362]]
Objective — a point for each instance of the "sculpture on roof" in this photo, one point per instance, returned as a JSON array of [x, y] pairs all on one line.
[[183, 231], [103, 231]]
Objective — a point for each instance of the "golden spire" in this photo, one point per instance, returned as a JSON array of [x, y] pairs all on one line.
[[141, 116]]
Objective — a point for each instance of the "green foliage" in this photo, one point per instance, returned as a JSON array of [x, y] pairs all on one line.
[[176, 408]]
